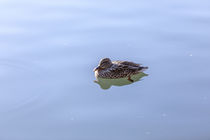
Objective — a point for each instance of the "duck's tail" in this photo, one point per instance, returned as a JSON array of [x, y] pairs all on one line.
[[141, 69]]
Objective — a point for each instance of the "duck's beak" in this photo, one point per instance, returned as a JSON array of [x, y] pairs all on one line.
[[97, 68]]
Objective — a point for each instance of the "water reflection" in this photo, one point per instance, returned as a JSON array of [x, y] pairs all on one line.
[[107, 83]]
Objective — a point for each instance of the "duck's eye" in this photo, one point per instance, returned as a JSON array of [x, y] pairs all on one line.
[[103, 64]]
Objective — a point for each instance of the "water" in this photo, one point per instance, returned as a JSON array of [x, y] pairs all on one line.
[[48, 50]]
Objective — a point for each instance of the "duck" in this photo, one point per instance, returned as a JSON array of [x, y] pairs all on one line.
[[108, 69]]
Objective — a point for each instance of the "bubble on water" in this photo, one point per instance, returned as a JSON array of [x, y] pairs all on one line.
[[205, 98], [148, 133], [65, 44], [163, 114]]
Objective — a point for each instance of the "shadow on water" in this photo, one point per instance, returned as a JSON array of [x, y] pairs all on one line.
[[107, 83]]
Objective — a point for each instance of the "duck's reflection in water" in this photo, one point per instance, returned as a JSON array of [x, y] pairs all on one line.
[[107, 83]]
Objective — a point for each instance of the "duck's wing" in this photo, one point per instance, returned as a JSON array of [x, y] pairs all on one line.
[[121, 70], [126, 63]]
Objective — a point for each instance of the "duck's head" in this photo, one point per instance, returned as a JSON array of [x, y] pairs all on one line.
[[104, 64]]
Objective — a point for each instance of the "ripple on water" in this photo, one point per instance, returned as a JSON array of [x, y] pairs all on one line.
[[18, 83]]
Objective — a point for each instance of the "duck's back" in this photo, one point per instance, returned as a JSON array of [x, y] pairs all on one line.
[[120, 69], [127, 63]]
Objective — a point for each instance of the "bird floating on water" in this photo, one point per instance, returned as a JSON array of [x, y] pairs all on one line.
[[117, 69]]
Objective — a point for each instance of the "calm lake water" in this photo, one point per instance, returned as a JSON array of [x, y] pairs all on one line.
[[48, 50]]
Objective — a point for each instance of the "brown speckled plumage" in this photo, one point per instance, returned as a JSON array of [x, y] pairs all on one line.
[[117, 69]]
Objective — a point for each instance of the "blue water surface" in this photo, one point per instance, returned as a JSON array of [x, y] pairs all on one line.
[[48, 50]]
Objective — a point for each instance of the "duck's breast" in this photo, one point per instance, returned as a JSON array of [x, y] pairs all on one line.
[[96, 73]]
